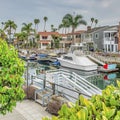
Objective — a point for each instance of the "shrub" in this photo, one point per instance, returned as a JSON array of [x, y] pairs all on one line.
[[11, 81], [99, 107]]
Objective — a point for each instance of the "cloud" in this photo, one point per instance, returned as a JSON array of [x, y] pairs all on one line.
[[106, 11]]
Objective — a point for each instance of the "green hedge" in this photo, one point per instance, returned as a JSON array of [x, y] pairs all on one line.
[[11, 81], [99, 107]]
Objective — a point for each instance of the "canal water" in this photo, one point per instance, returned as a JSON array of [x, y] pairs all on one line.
[[100, 80]]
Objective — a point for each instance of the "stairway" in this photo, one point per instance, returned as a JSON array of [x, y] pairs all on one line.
[[75, 83], [42, 96]]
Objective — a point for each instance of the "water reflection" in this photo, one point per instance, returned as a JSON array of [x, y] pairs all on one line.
[[100, 80]]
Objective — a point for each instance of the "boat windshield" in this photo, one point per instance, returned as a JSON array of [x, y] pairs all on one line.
[[67, 58], [75, 48]]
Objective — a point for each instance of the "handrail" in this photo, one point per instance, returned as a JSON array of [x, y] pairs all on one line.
[[72, 90], [84, 80], [84, 87], [74, 80], [77, 86], [79, 78]]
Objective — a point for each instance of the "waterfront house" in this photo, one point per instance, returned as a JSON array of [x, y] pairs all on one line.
[[118, 35], [65, 41], [102, 38], [77, 36], [46, 39], [87, 38], [110, 39]]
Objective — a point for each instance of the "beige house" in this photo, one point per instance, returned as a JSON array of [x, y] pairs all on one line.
[[45, 39], [77, 36]]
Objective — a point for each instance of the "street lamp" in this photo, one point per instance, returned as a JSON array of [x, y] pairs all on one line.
[[27, 74]]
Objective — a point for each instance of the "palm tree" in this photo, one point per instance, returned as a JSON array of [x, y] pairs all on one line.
[[2, 25], [52, 27], [10, 27], [96, 22], [21, 37], [36, 22], [65, 24], [61, 26], [74, 22], [45, 19], [2, 34], [27, 28], [92, 20]]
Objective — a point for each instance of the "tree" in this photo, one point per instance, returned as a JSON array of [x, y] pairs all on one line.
[[96, 22], [55, 43], [27, 28], [65, 24], [10, 27], [2, 24], [92, 20], [45, 20], [61, 26], [99, 107], [21, 37], [36, 22], [11, 80], [53, 29], [74, 22], [3, 35]]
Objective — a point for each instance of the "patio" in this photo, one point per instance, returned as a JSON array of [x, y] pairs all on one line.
[[26, 110]]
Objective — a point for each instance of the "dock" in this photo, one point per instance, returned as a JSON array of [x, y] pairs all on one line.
[[101, 69]]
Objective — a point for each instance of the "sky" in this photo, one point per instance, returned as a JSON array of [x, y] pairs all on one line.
[[25, 11]]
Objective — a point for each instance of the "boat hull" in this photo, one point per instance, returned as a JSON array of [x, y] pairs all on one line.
[[72, 65]]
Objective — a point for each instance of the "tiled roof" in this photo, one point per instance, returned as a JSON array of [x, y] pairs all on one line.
[[48, 33], [63, 35], [44, 41], [96, 28], [76, 32]]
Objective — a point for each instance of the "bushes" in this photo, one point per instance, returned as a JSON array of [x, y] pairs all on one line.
[[11, 81], [99, 107]]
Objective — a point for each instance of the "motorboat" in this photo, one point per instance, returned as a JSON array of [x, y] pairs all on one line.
[[76, 59]]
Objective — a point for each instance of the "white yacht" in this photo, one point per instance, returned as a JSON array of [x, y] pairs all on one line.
[[76, 59]]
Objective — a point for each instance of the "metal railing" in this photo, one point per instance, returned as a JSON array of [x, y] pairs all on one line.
[[78, 82], [68, 83]]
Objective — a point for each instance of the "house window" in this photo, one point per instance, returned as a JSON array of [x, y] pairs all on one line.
[[116, 40], [44, 37], [108, 47], [107, 35], [45, 44], [96, 35], [112, 48], [78, 36], [116, 48]]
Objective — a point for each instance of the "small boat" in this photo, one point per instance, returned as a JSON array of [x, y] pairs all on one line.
[[107, 68], [43, 59], [32, 57], [76, 59]]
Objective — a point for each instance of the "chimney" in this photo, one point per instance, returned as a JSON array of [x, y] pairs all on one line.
[[88, 28]]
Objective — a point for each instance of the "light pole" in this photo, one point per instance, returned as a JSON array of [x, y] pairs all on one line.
[[27, 75]]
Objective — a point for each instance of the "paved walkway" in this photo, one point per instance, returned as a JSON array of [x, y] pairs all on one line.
[[26, 110]]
